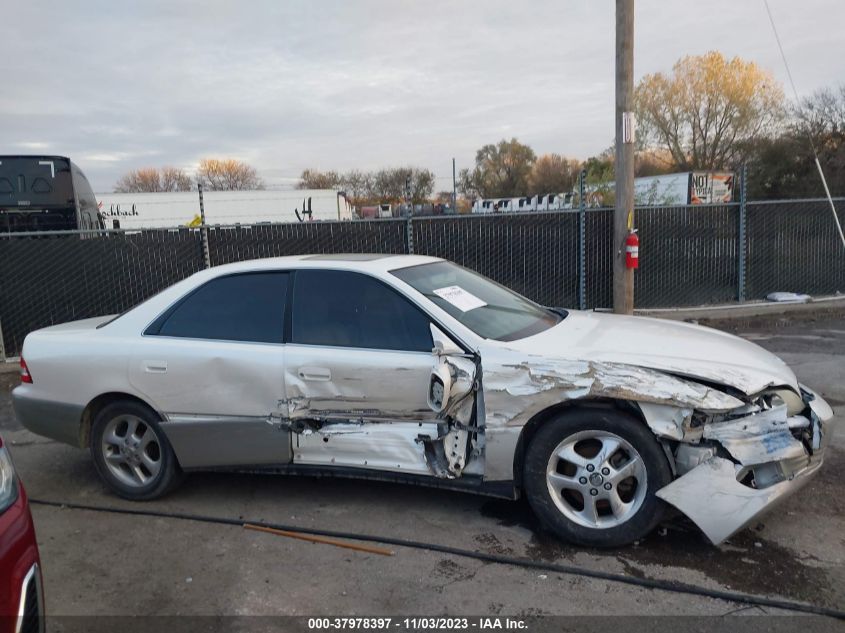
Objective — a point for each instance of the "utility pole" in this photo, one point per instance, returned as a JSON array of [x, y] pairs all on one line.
[[454, 189], [623, 217]]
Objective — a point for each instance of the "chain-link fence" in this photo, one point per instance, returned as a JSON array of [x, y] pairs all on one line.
[[232, 244], [689, 256], [535, 255], [794, 245]]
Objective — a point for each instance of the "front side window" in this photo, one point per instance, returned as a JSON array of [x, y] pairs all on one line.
[[487, 308], [348, 309], [246, 307]]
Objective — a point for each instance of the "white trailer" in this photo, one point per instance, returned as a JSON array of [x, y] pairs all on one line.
[[541, 202], [173, 209]]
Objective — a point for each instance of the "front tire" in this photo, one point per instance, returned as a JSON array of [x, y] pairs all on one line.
[[131, 453], [591, 475]]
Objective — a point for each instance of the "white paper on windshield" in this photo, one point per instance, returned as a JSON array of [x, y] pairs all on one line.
[[460, 298]]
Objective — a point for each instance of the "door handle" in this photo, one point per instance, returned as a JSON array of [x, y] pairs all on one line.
[[155, 366], [314, 373]]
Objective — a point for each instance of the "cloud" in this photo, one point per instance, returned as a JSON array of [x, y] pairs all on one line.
[[360, 84]]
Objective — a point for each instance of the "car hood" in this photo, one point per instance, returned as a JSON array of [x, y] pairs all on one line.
[[674, 347]]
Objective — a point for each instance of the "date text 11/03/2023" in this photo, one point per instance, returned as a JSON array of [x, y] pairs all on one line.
[[417, 623]]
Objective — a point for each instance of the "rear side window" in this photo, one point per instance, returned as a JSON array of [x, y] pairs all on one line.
[[248, 307], [347, 309]]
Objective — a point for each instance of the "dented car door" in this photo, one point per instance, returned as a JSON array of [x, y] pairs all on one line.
[[212, 365], [359, 363]]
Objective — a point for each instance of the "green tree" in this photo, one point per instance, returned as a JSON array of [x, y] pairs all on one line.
[[501, 170]]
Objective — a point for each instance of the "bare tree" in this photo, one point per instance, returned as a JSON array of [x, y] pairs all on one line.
[[151, 179], [384, 185], [708, 109], [784, 166], [358, 185], [175, 179], [315, 179], [227, 175]]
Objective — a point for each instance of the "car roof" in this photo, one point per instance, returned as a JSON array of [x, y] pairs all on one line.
[[369, 262]]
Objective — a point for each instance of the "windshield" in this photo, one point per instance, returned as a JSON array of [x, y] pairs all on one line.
[[487, 308]]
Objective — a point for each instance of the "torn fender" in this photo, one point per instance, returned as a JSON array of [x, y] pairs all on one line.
[[514, 393], [718, 504]]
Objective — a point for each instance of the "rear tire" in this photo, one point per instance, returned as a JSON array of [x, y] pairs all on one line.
[[591, 475], [131, 452]]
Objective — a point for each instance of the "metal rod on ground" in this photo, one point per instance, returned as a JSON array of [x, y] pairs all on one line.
[[203, 230], [623, 217], [321, 539]]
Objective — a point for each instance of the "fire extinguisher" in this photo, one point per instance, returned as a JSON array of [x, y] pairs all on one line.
[[632, 249]]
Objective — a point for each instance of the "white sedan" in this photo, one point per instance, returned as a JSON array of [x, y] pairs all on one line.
[[415, 369]]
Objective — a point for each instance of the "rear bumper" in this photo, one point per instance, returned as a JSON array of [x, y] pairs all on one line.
[[21, 599], [56, 420], [720, 496]]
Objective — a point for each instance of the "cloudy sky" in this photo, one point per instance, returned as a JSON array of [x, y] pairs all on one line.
[[286, 85]]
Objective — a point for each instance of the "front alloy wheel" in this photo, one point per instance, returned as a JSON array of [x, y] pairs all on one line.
[[596, 479], [590, 476]]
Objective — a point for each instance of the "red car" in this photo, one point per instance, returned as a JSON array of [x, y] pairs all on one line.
[[21, 593]]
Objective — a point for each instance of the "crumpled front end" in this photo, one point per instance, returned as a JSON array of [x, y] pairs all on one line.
[[737, 466]]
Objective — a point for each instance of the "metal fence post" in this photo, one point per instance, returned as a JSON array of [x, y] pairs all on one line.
[[741, 236], [582, 243], [2, 347], [410, 230], [206, 256]]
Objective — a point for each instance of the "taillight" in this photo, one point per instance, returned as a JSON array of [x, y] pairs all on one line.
[[25, 375]]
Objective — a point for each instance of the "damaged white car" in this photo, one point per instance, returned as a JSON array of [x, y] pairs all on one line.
[[415, 369]]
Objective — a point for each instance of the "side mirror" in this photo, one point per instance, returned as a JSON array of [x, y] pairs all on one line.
[[439, 387], [443, 345], [453, 375]]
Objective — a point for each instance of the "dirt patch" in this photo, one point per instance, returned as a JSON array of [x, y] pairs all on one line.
[[453, 571], [491, 544], [747, 562]]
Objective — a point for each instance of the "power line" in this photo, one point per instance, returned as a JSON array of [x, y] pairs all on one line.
[[806, 127]]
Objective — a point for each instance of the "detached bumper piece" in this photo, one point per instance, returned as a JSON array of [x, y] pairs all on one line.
[[772, 456]]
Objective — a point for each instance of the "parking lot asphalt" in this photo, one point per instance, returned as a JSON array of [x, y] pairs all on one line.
[[96, 563]]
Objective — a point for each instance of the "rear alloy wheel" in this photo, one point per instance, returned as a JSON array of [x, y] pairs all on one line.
[[591, 475], [131, 453]]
